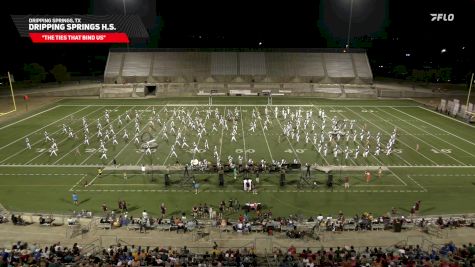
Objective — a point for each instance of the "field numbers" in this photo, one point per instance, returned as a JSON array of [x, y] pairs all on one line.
[[90, 150], [249, 150], [397, 150], [200, 150], [441, 151], [143, 150], [40, 150], [336, 110], [367, 110], [298, 150]]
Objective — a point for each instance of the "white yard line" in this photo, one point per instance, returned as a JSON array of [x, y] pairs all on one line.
[[22, 138], [447, 117], [130, 141], [438, 128], [39, 141], [265, 138], [399, 178], [92, 181], [222, 132], [243, 137], [81, 143], [291, 146], [29, 117], [170, 152], [199, 139], [61, 141], [409, 176], [362, 146], [398, 140], [423, 141], [80, 180]]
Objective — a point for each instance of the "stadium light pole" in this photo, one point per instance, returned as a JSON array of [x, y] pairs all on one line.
[[125, 13], [468, 96], [349, 25]]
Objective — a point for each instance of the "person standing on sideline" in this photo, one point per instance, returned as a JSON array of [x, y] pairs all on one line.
[[143, 169], [163, 210], [380, 172], [125, 176], [99, 171], [307, 174], [186, 173], [347, 182], [196, 186], [114, 162], [75, 199]]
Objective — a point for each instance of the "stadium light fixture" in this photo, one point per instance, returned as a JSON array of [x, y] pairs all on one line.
[[443, 50]]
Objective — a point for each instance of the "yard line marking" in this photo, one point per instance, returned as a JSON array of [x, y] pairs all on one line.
[[399, 178], [362, 146], [170, 152], [81, 143], [41, 128], [93, 179], [243, 137], [222, 132], [436, 127], [265, 138], [399, 141], [420, 138], [29, 117], [409, 176], [447, 117], [435, 135], [130, 141], [156, 138], [61, 141], [199, 139], [291, 146], [80, 180]]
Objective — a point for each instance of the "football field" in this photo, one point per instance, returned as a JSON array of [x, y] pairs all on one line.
[[433, 159]]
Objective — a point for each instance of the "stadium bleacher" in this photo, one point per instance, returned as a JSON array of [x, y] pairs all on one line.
[[186, 71]]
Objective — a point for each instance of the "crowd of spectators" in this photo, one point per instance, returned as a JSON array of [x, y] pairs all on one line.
[[348, 256], [23, 254]]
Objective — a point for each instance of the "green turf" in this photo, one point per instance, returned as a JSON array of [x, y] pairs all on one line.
[[440, 173]]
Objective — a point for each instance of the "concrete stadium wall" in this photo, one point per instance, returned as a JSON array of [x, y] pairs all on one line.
[[79, 90]]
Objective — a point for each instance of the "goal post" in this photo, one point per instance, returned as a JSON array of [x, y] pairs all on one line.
[[10, 80]]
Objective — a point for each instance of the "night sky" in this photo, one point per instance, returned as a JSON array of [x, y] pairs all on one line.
[[389, 29]]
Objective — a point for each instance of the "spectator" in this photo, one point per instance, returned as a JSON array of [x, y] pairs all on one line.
[[75, 198]]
